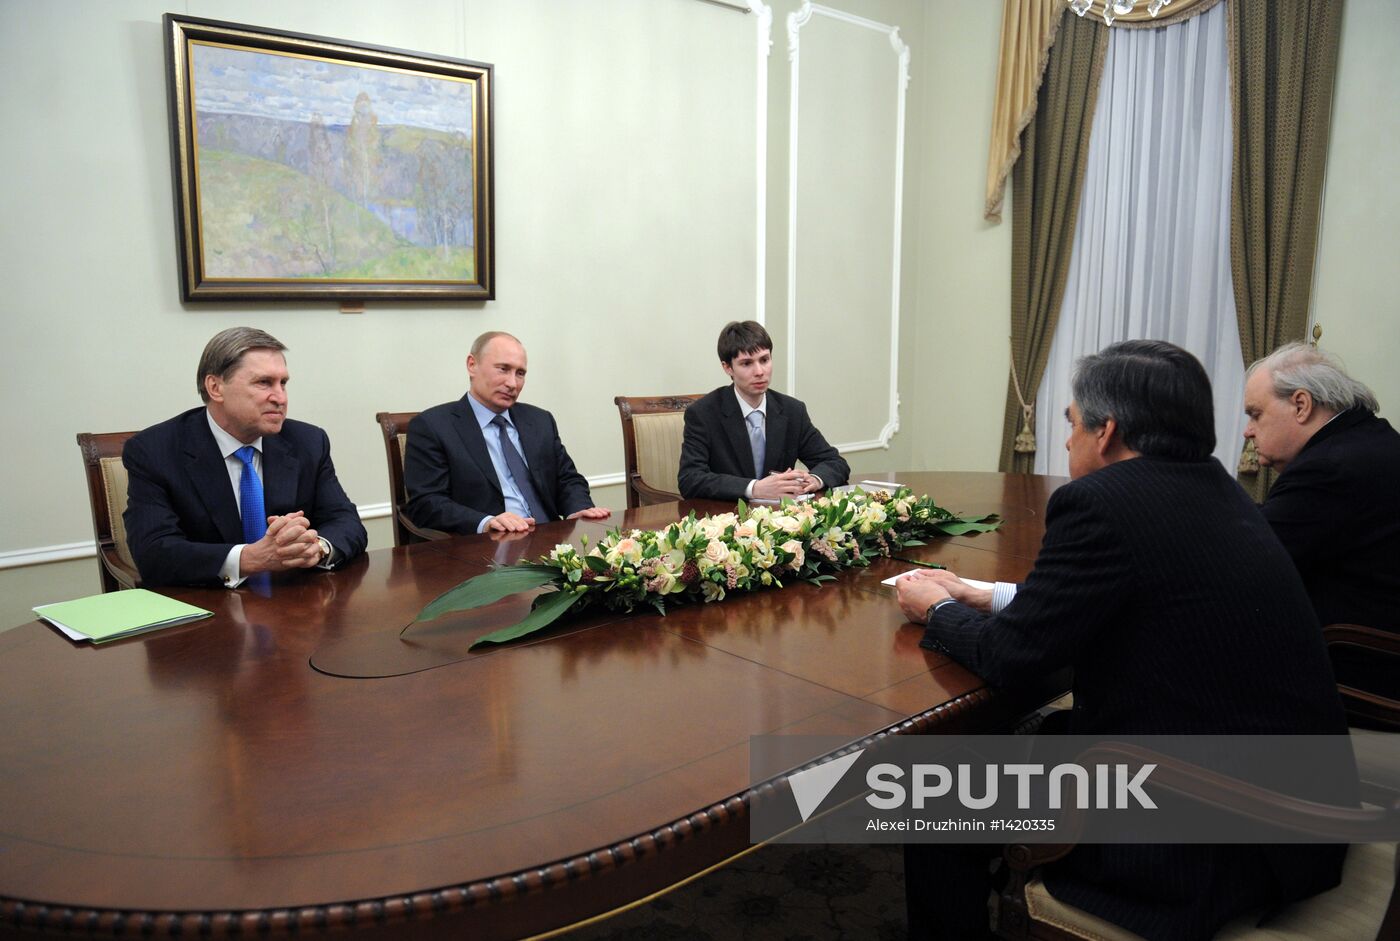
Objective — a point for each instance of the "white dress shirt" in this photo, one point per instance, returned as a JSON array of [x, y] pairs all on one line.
[[230, 573]]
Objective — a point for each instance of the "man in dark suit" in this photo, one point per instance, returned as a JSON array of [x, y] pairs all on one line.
[[236, 488], [744, 440], [487, 461], [1336, 504], [1165, 590]]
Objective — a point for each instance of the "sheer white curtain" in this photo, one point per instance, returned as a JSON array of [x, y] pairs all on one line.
[[1152, 249]]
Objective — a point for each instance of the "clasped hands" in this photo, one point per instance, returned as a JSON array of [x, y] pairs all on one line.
[[508, 522], [788, 483], [918, 591], [290, 543]]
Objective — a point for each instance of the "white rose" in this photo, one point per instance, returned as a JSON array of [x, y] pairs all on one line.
[[716, 552], [794, 548]]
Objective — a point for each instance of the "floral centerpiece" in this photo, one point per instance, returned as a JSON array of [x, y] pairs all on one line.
[[702, 559]]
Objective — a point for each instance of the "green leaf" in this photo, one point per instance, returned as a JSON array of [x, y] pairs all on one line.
[[975, 524], [548, 609], [913, 542], [818, 579], [595, 563], [742, 510], [488, 588]]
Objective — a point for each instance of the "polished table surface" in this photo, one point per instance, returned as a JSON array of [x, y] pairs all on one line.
[[209, 778]]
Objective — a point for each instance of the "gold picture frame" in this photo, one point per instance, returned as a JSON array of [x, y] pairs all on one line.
[[315, 168]]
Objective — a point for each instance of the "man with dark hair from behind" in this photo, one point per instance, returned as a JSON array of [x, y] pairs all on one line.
[[1336, 503], [744, 440], [1162, 586], [236, 488]]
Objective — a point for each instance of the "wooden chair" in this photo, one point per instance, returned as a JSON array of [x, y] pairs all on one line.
[[1366, 904], [652, 428], [107, 482], [394, 426], [1365, 707]]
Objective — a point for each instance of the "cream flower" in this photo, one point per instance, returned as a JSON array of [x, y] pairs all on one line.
[[629, 549], [788, 524]]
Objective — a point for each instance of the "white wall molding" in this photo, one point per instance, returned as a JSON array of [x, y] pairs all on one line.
[[795, 21], [763, 32], [64, 552], [18, 558]]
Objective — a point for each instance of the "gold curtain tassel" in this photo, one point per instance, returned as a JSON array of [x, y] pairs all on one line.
[[1249, 458], [1025, 438]]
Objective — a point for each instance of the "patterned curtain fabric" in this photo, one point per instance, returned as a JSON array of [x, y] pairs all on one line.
[[1152, 244], [1028, 30], [1283, 63], [1045, 201]]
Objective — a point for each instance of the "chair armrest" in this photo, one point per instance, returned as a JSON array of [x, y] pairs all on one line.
[[1211, 788], [1361, 703], [125, 575], [422, 532], [649, 495]]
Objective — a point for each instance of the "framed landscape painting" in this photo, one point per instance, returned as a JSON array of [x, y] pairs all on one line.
[[317, 168]]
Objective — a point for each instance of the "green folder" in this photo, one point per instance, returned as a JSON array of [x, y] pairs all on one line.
[[118, 614]]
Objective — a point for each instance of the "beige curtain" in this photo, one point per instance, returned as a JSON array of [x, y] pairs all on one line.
[[1045, 203], [1027, 31], [1283, 62]]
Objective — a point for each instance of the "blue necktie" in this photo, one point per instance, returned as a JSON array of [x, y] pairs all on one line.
[[757, 441], [518, 471], [250, 497]]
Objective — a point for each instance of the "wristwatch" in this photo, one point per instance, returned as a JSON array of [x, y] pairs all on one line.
[[325, 550], [928, 615]]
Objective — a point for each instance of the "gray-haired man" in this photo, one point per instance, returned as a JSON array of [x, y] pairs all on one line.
[[1336, 504], [235, 488]]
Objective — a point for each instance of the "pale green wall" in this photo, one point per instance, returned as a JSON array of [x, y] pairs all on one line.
[[625, 188], [961, 341], [1355, 288]]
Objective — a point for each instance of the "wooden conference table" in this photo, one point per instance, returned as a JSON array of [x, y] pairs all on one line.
[[209, 779]]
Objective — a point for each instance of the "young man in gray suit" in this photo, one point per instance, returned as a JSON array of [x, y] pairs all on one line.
[[744, 440]]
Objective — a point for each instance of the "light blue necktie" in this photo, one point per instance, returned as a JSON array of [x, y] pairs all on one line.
[[757, 441], [250, 497]]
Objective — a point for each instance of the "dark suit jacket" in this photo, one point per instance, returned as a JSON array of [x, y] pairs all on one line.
[[181, 513], [717, 462], [1164, 589], [452, 483], [1336, 509]]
